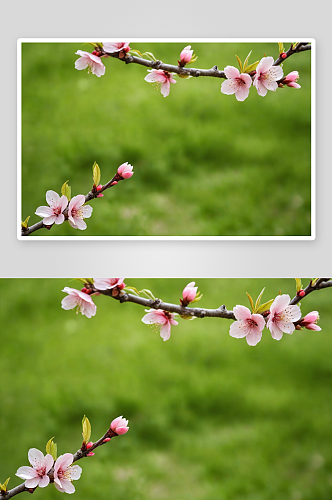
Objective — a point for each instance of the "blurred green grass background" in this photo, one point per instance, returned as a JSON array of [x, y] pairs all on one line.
[[210, 417], [205, 164]]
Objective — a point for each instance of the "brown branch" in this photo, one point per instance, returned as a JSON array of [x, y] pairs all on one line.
[[88, 197], [319, 284], [81, 453], [195, 72]]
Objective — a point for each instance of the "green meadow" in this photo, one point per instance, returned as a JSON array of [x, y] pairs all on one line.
[[210, 417], [205, 164]]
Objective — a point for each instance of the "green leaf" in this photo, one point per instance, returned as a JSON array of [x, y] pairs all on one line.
[[281, 48], [245, 64], [193, 59], [96, 174], [251, 302], [86, 429], [240, 63], [264, 307], [51, 448], [149, 56], [197, 298], [258, 301], [66, 190], [313, 282], [147, 293], [299, 285], [252, 67], [25, 223], [132, 290], [3, 487], [136, 53]]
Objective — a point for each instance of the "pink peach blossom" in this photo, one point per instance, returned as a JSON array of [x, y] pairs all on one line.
[[309, 321], [90, 61], [282, 317], [37, 474], [77, 211], [82, 301], [248, 325], [267, 76], [65, 473], [108, 283], [119, 425], [53, 213], [186, 55], [236, 83], [189, 293], [125, 170], [162, 321], [291, 79], [162, 79], [112, 47]]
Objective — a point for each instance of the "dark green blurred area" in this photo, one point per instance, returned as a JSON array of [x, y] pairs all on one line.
[[205, 164], [210, 417]]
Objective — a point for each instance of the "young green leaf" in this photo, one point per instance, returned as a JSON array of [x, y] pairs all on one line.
[[198, 297], [51, 448], [25, 223], [149, 56], [245, 64], [252, 67], [258, 301], [251, 302], [3, 487], [147, 293], [299, 285], [281, 48], [264, 307], [86, 429], [66, 190], [132, 290], [240, 63], [96, 174]]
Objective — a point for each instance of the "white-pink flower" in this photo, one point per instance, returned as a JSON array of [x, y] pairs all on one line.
[[309, 321], [282, 317], [108, 283], [291, 79], [161, 78], [53, 213], [267, 76], [112, 47], [236, 83], [37, 474], [247, 325], [125, 170], [65, 473], [119, 425], [189, 293], [82, 301], [186, 55], [90, 61], [77, 211], [161, 320]]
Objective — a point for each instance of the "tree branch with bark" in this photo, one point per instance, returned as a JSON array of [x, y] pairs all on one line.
[[279, 315]]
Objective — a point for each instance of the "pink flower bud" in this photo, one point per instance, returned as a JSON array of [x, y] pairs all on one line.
[[301, 293], [283, 55], [90, 454], [189, 293], [106, 440], [89, 445], [125, 170], [309, 321], [99, 187], [291, 79], [186, 55], [119, 425], [113, 183]]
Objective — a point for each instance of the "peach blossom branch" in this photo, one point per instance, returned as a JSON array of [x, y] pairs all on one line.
[[195, 72]]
